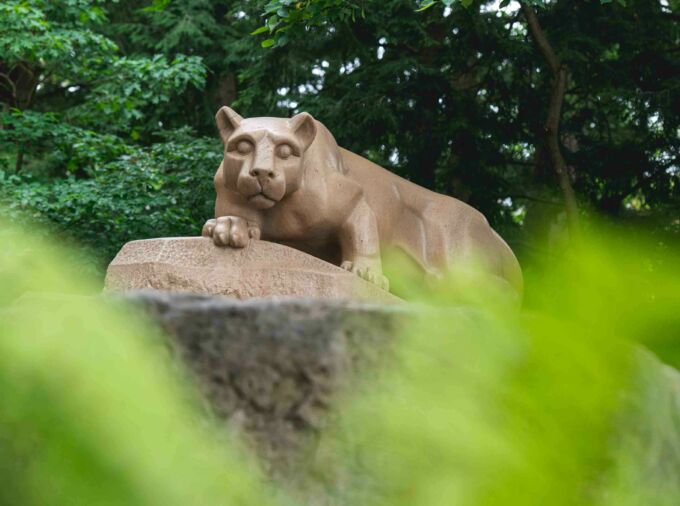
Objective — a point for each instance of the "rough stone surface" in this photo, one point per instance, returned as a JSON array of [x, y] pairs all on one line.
[[340, 205], [272, 367], [261, 269]]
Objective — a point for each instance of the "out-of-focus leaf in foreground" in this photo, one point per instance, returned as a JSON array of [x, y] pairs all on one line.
[[90, 412], [559, 404], [562, 403]]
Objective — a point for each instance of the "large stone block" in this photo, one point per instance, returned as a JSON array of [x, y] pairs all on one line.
[[274, 368], [261, 269]]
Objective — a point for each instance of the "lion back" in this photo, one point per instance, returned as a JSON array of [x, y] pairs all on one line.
[[324, 151]]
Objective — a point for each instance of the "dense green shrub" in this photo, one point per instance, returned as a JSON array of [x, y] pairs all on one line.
[[163, 190], [85, 145]]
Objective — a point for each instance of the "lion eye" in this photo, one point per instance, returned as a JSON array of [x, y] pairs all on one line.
[[244, 147], [284, 151]]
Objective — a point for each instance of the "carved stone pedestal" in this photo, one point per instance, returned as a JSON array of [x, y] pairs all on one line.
[[262, 269]]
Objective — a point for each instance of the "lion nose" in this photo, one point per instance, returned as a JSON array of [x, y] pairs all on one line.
[[262, 173]]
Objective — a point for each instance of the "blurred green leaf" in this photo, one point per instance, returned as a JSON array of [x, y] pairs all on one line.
[[260, 30], [93, 410]]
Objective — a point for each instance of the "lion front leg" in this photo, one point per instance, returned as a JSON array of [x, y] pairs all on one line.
[[360, 244], [230, 231]]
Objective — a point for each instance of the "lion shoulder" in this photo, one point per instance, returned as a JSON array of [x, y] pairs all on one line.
[[325, 152]]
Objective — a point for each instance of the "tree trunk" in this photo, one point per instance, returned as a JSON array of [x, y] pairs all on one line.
[[560, 75], [226, 89], [20, 159], [423, 159], [17, 90], [552, 131]]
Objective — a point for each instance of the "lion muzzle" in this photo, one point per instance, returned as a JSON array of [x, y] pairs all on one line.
[[261, 187]]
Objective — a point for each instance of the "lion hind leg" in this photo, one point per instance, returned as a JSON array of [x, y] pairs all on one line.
[[447, 238], [441, 238], [424, 241]]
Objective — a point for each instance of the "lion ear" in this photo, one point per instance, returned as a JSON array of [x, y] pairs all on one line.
[[304, 127], [227, 120]]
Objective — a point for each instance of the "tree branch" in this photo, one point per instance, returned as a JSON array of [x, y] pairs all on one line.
[[535, 199], [560, 76], [539, 37], [11, 83]]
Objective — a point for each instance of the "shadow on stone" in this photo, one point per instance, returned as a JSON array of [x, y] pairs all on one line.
[[272, 367]]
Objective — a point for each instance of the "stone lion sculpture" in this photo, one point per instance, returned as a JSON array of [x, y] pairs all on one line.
[[287, 181]]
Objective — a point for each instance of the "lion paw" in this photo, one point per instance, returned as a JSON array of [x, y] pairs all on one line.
[[230, 231], [368, 271]]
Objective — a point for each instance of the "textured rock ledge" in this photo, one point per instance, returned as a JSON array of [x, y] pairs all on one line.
[[272, 367], [262, 269]]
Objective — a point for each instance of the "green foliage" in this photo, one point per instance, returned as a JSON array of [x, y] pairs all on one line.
[[280, 15], [426, 4], [454, 98], [78, 118], [53, 48], [93, 411], [555, 405], [55, 42], [131, 84], [75, 147], [55, 34], [163, 190], [484, 407], [477, 404]]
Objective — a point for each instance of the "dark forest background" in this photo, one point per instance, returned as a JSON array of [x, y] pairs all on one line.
[[539, 114]]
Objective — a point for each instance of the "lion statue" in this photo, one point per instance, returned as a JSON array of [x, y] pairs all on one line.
[[287, 181]]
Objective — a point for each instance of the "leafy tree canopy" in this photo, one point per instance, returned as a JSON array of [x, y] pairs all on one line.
[[456, 96]]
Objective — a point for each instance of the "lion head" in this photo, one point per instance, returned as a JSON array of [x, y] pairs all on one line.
[[263, 157]]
